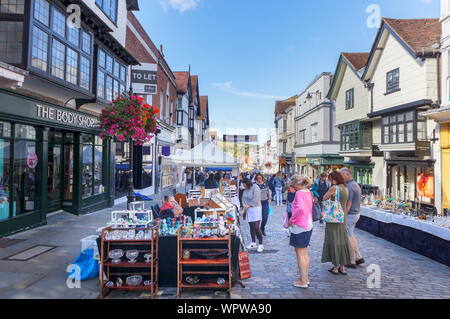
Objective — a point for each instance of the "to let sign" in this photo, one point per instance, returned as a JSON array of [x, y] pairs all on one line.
[[144, 78]]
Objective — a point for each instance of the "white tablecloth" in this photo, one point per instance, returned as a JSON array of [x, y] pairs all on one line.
[[424, 226]]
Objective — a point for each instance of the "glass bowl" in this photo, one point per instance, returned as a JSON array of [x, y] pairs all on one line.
[[132, 255], [134, 281], [116, 255]]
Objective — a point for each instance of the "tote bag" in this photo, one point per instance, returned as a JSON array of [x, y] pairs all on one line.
[[332, 210], [317, 211]]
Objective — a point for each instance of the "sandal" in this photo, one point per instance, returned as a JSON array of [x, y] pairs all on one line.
[[298, 285], [333, 272], [342, 273]]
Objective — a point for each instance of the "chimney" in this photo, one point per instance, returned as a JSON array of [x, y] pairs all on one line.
[[161, 49]]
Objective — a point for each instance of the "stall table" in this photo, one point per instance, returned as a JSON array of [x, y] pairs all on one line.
[[421, 237]]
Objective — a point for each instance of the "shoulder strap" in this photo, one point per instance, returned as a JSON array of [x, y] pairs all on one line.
[[337, 194]]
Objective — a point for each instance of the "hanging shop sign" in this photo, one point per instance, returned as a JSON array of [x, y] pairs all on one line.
[[144, 79]]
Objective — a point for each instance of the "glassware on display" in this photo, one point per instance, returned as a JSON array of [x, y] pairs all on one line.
[[147, 283], [148, 258], [116, 255], [134, 281], [132, 255]]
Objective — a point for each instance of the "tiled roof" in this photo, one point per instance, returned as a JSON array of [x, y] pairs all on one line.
[[281, 106], [417, 33], [182, 79], [357, 60], [203, 107]]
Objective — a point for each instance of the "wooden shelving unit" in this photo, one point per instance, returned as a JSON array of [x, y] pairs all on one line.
[[185, 266], [149, 271]]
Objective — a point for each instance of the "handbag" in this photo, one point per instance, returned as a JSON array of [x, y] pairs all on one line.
[[317, 211], [332, 210], [286, 220], [270, 210]]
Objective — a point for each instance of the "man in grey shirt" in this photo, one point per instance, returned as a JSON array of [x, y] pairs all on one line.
[[353, 208]]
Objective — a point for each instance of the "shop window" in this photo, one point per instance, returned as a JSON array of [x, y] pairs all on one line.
[[5, 171], [92, 166], [11, 34], [24, 170]]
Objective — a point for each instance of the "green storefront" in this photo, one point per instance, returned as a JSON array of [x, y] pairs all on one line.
[[51, 158], [323, 163], [362, 172]]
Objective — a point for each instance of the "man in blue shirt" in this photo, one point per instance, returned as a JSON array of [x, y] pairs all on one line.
[[353, 208]]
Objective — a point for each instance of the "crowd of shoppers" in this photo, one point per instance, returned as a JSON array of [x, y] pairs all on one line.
[[340, 247]]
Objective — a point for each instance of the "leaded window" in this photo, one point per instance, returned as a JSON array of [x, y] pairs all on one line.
[[112, 76], [39, 49], [393, 81]]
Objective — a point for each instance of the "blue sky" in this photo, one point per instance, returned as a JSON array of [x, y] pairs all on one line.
[[249, 53]]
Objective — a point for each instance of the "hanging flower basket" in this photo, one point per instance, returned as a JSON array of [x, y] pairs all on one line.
[[128, 118]]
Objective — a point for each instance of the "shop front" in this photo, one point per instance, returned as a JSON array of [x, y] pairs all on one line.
[[51, 158], [323, 163], [362, 172], [412, 181], [300, 163]]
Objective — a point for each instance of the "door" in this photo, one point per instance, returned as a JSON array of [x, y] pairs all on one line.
[[55, 177]]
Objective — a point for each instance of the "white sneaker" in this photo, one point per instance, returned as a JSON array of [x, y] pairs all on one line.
[[260, 249], [252, 246]]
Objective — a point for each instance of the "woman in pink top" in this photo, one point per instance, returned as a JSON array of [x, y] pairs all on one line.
[[301, 226]]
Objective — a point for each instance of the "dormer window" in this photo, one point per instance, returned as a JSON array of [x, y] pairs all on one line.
[[393, 81]]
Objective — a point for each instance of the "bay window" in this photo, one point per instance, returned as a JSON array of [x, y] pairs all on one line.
[[57, 50], [404, 128], [111, 76], [356, 136]]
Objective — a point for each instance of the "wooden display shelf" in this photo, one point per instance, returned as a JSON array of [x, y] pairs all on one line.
[[125, 287], [205, 240], [205, 284], [185, 265], [140, 267], [205, 262], [129, 265]]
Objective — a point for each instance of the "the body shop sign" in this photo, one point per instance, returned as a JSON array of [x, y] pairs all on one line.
[[66, 116], [144, 78]]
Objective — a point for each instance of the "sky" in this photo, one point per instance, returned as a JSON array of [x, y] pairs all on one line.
[[250, 53]]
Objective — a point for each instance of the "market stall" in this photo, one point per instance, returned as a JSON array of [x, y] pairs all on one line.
[[397, 222]]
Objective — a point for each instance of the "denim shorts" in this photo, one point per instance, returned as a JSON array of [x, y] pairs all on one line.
[[351, 224]]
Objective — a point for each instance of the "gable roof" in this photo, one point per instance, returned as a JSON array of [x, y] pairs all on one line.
[[417, 36], [356, 61], [182, 79], [203, 107], [281, 106]]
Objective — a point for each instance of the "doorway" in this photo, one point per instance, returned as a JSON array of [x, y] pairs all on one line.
[[60, 169]]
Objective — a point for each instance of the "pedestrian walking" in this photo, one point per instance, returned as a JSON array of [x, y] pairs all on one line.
[[335, 246], [301, 226], [272, 186], [354, 214], [279, 185], [253, 213], [261, 182], [241, 187], [320, 188]]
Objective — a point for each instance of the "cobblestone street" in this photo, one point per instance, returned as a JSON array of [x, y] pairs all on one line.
[[404, 274]]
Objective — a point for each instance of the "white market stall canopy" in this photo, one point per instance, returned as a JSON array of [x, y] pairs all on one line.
[[206, 154]]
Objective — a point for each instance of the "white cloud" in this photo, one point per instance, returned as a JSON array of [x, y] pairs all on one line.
[[228, 87], [180, 5]]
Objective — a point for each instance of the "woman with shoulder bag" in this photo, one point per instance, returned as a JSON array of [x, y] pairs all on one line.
[[265, 201], [335, 246]]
